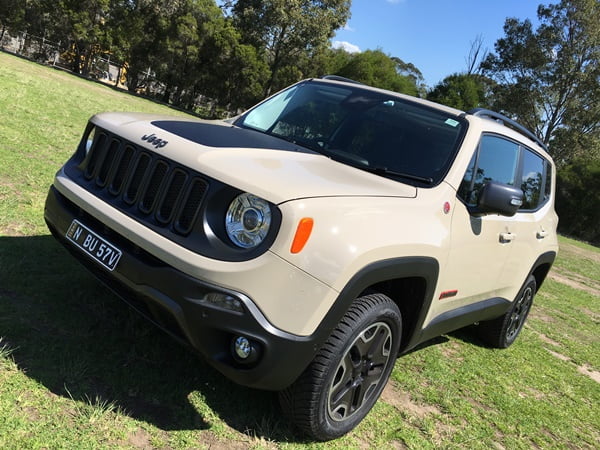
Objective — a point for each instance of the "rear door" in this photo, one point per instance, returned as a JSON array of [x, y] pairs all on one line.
[[535, 222]]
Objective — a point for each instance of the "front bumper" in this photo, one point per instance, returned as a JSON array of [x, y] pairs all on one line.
[[170, 299]]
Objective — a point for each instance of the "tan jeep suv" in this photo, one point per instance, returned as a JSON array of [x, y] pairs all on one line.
[[302, 246]]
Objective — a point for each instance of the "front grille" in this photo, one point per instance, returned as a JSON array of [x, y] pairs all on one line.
[[144, 184]]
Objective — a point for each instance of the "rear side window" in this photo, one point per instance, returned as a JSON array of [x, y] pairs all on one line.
[[504, 161], [532, 179]]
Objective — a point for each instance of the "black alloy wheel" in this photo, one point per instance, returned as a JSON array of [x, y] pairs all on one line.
[[503, 331], [347, 375]]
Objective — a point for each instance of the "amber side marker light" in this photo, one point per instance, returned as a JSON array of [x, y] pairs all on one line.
[[303, 231]]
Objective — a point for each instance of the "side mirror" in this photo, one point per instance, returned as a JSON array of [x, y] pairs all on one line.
[[498, 198]]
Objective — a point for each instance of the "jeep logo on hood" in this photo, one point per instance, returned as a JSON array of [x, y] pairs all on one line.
[[154, 140]]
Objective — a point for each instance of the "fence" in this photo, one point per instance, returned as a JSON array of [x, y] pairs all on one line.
[[59, 54], [101, 68]]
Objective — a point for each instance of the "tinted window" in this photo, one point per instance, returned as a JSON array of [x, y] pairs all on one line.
[[533, 177], [371, 130], [548, 184], [496, 160]]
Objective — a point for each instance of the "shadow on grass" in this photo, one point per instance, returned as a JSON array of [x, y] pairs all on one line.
[[80, 341]]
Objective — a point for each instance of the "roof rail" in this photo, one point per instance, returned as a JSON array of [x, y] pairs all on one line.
[[482, 112], [339, 78]]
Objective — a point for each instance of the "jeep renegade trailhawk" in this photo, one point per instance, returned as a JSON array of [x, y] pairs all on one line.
[[303, 245]]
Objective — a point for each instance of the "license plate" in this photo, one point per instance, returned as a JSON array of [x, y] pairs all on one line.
[[96, 247]]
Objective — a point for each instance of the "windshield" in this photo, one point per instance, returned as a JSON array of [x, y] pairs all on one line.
[[373, 131]]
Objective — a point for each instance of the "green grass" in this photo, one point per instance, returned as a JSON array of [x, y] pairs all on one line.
[[78, 368]]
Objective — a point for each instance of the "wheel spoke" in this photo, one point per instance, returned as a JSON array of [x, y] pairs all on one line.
[[519, 314], [360, 371]]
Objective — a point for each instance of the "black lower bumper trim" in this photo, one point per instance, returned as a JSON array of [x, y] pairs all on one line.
[[166, 296]]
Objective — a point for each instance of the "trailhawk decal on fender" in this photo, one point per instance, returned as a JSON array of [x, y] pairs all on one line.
[[154, 140]]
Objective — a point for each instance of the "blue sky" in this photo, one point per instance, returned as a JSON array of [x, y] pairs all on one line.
[[434, 35]]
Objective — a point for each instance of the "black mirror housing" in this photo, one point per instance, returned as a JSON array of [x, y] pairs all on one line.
[[498, 198]]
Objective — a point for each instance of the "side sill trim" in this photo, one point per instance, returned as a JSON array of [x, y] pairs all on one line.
[[464, 316]]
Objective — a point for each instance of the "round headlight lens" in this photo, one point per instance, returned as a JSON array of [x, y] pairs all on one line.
[[248, 220]]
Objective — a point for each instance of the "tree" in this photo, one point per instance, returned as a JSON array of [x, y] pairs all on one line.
[[549, 78], [12, 13], [375, 68], [236, 76], [462, 91], [411, 71], [477, 54], [284, 31], [577, 194], [82, 23]]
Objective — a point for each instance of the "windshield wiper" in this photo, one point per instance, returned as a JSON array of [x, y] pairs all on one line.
[[362, 164], [393, 173]]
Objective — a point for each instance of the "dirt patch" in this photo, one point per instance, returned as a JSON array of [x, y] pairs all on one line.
[[559, 355], [537, 314], [573, 249], [478, 405], [209, 440], [532, 393], [402, 401], [451, 351], [140, 439], [547, 340], [576, 281], [594, 316], [588, 371]]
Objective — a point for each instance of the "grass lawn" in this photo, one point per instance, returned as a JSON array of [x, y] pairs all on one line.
[[79, 369]]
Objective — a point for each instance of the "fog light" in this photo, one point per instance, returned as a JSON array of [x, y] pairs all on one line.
[[242, 347], [245, 351]]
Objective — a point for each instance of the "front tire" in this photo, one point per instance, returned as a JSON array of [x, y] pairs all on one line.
[[347, 375], [503, 331]]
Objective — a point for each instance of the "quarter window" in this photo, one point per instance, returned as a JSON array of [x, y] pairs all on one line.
[[548, 184]]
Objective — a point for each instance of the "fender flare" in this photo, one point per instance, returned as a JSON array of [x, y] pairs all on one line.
[[423, 267]]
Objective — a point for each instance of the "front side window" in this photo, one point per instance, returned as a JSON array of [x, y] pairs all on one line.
[[496, 160], [370, 130]]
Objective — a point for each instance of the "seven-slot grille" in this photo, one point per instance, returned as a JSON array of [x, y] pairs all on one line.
[[147, 185]]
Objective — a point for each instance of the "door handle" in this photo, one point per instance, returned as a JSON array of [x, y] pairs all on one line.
[[541, 234], [507, 237]]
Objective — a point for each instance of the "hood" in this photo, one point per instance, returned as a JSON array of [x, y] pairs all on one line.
[[271, 168]]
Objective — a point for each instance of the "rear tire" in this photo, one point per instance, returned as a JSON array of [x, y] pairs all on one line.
[[347, 375], [502, 332]]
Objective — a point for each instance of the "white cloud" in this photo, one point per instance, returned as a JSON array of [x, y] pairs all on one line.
[[347, 46], [348, 28]]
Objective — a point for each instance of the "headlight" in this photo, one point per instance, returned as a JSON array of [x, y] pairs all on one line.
[[90, 140], [248, 220]]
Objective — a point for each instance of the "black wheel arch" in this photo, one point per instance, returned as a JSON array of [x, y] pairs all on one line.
[[409, 281], [541, 267]]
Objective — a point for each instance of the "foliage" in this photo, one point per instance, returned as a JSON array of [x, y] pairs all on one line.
[[286, 30], [577, 200], [549, 78], [375, 68], [78, 367], [462, 91], [195, 55]]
